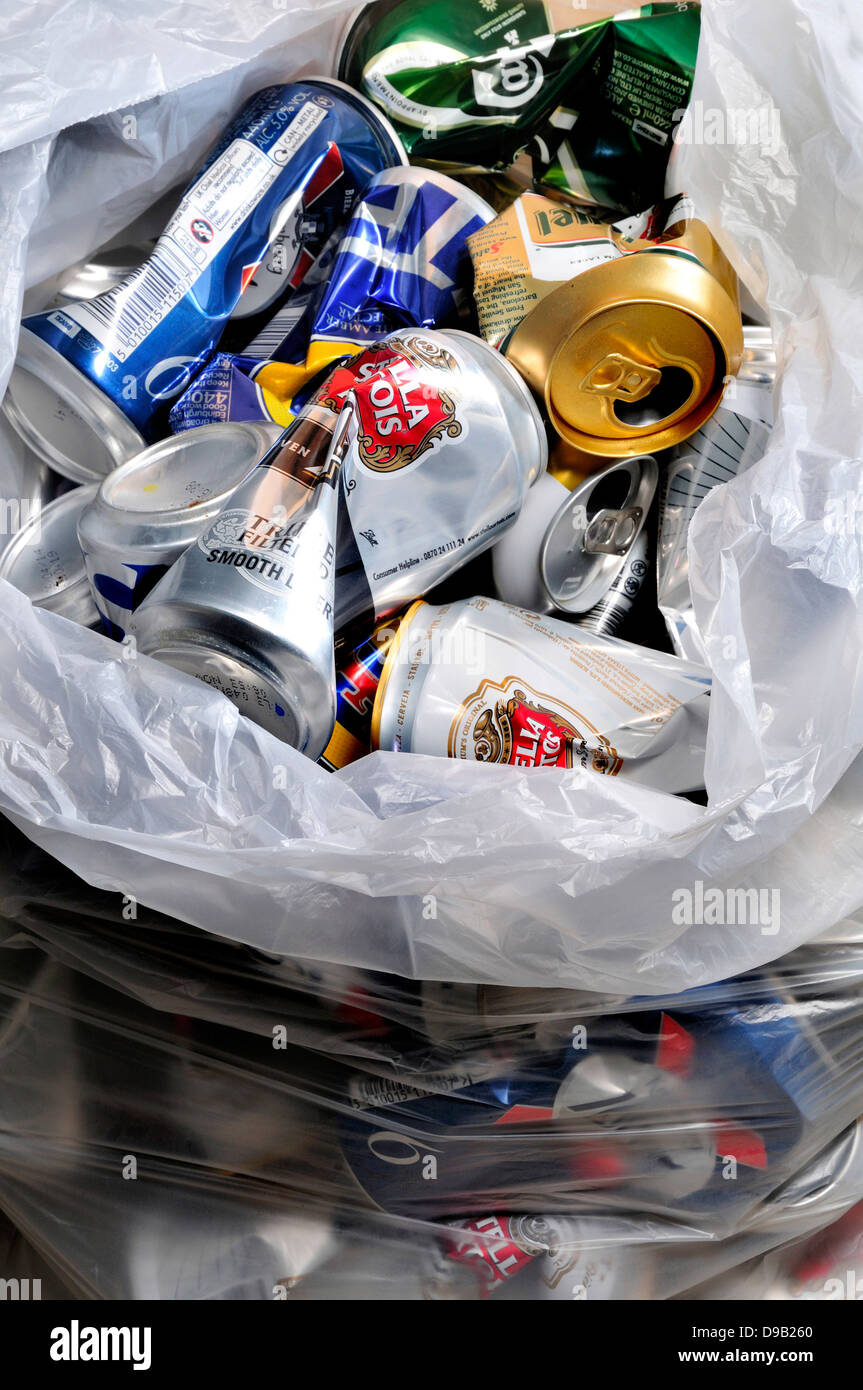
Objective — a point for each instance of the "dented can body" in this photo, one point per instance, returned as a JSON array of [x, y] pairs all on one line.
[[149, 510], [485, 682], [93, 378], [248, 607]]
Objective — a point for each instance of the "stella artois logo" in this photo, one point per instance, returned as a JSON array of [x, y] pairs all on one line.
[[402, 410], [511, 723]]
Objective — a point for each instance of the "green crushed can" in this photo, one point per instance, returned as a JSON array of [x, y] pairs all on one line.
[[472, 84]]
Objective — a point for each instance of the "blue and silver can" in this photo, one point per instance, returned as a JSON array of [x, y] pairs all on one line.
[[147, 512], [93, 380], [402, 263]]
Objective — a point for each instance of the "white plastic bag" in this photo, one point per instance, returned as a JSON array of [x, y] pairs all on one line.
[[151, 784]]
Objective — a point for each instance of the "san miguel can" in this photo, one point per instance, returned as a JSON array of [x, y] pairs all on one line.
[[633, 355], [91, 379], [248, 607], [482, 681], [445, 445], [44, 560], [149, 510]]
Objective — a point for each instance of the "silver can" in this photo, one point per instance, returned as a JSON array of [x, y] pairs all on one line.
[[589, 544], [582, 553], [445, 446], [149, 510], [27, 484], [485, 682], [44, 559], [248, 607]]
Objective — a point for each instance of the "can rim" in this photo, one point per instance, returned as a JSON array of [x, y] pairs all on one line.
[[105, 420], [369, 108], [77, 499], [174, 443], [96, 267], [380, 693], [350, 23], [643, 471]]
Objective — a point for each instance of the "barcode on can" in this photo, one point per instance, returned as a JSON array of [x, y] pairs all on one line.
[[133, 309]]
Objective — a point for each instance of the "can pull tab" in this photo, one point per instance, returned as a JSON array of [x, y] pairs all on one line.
[[612, 532], [621, 378]]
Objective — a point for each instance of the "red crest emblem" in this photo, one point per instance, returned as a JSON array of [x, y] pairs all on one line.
[[402, 412]]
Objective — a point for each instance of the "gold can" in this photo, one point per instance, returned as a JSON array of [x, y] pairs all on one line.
[[633, 355]]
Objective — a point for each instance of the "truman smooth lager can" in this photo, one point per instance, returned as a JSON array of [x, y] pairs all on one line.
[[482, 681], [44, 559], [149, 510], [91, 379], [248, 608]]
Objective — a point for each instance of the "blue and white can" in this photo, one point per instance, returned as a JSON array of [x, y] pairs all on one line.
[[94, 379]]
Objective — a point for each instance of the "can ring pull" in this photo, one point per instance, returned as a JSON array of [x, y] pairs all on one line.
[[611, 532], [621, 377]]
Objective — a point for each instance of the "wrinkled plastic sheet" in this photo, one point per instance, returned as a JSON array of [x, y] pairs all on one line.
[[147, 783]]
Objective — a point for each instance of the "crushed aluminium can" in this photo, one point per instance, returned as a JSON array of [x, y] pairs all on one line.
[[248, 607], [482, 681], [401, 263], [593, 92], [445, 444], [149, 510], [532, 247], [584, 553], [549, 1122], [92, 379], [633, 355], [44, 560]]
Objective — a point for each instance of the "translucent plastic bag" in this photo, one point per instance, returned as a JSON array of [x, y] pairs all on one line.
[[148, 783], [597, 1149]]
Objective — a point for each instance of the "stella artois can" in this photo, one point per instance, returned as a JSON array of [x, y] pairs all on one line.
[[633, 354], [482, 681], [528, 1258], [444, 447]]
